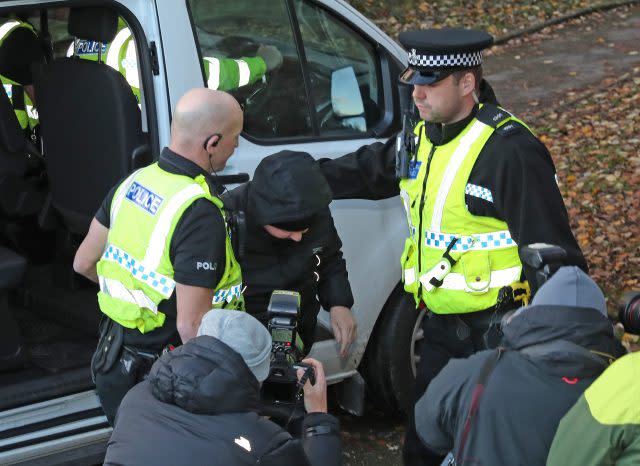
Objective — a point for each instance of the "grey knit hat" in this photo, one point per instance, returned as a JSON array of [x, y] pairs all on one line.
[[244, 334]]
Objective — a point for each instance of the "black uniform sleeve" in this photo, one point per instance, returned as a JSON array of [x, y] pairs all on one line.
[[198, 248], [526, 194], [18, 53], [368, 173], [103, 215], [333, 287]]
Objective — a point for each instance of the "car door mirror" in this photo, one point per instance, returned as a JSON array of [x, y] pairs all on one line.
[[346, 100]]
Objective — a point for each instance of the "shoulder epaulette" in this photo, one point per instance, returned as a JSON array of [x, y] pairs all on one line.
[[493, 116]]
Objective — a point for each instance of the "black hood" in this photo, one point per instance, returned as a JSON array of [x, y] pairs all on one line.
[[586, 327], [287, 186], [205, 376]]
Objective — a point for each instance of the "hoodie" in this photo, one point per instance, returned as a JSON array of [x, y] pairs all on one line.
[[552, 353], [199, 406]]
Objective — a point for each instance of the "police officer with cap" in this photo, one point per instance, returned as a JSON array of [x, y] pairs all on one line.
[[476, 183]]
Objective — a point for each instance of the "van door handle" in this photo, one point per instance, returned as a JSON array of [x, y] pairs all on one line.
[[236, 178]]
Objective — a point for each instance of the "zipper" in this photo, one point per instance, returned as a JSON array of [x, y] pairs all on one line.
[[423, 195]]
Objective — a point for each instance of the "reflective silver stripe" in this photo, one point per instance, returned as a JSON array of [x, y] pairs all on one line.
[[72, 48], [160, 283], [227, 294], [214, 72], [8, 88], [113, 54], [409, 276], [457, 282], [7, 27], [117, 290], [32, 112], [116, 202], [454, 165], [158, 239], [130, 65], [477, 242], [244, 73]]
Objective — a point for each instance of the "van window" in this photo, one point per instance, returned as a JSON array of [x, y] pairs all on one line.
[[299, 73]]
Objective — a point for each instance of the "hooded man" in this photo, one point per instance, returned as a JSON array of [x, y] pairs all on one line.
[[291, 244], [551, 352], [200, 405]]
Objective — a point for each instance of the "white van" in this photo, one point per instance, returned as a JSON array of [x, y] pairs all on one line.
[[334, 92]]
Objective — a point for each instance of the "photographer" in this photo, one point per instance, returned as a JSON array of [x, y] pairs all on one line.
[[502, 407], [200, 406], [603, 427], [290, 243]]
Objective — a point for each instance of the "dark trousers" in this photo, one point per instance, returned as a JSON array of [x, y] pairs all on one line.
[[112, 385], [445, 337]]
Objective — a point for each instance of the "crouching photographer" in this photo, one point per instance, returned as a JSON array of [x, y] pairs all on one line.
[[502, 406], [200, 405]]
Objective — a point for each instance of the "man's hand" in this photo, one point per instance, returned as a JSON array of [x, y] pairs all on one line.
[[344, 327], [315, 396], [271, 56]]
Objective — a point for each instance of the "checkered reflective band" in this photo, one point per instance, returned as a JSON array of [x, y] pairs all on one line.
[[227, 295], [483, 241], [467, 60], [478, 191], [160, 283]]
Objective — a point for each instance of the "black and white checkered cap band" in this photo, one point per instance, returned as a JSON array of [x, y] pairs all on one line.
[[467, 60]]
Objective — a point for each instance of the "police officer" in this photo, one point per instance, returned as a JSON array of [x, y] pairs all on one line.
[[475, 184], [20, 49], [221, 73], [159, 247]]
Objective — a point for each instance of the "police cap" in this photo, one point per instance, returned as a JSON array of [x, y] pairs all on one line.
[[436, 53]]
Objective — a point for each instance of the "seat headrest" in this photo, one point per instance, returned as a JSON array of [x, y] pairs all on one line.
[[93, 23]]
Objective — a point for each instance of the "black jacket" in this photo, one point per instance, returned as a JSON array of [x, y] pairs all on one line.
[[270, 264], [198, 407], [514, 165], [527, 393]]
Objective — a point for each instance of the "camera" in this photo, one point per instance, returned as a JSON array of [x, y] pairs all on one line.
[[546, 259], [629, 312], [282, 386]]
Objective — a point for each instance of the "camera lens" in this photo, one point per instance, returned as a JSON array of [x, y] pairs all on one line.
[[629, 312]]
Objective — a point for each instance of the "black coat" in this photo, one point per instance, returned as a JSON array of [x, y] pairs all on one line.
[[271, 264], [526, 395], [198, 407]]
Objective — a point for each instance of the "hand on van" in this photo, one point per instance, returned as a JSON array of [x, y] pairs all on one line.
[[344, 327]]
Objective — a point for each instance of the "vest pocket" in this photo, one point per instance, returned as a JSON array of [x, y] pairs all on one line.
[[476, 268]]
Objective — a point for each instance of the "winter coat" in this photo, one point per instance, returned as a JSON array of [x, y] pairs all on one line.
[[199, 406], [551, 355]]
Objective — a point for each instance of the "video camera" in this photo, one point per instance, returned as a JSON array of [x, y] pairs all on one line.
[[282, 385]]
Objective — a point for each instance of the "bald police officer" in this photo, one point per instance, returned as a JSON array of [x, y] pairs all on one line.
[[475, 183]]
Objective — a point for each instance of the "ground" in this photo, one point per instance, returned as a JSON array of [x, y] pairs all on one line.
[[577, 84]]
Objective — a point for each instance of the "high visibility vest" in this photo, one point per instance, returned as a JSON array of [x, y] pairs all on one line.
[[221, 73], [24, 109], [485, 257], [135, 272]]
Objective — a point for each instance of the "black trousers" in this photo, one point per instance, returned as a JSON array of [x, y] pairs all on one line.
[[112, 385], [445, 337]]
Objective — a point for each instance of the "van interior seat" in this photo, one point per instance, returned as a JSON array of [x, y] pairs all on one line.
[[92, 137], [19, 196], [90, 123]]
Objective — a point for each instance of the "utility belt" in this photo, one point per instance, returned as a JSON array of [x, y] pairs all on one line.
[[111, 349], [490, 321]]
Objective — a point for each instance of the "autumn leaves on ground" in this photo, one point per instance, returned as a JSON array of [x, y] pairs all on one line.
[[594, 137]]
